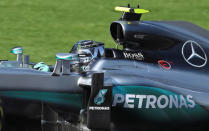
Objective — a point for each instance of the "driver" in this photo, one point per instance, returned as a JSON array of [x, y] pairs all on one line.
[[87, 51]]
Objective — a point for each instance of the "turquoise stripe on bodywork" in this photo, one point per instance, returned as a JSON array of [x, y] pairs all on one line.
[[156, 114], [67, 99], [150, 114]]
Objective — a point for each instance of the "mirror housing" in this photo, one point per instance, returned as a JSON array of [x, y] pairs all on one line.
[[63, 61], [18, 51]]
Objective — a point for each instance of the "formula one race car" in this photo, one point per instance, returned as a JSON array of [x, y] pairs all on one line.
[[157, 81]]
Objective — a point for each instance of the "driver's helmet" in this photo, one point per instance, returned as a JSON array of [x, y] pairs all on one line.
[[85, 55], [88, 50]]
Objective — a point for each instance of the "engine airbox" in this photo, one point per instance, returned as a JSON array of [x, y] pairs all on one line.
[[125, 31], [136, 35], [117, 32]]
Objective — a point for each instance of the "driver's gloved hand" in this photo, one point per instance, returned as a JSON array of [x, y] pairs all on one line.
[[42, 67]]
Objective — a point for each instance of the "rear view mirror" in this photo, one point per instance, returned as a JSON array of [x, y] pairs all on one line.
[[18, 51], [63, 61]]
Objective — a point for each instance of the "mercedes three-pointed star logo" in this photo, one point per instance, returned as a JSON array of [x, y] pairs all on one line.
[[194, 54]]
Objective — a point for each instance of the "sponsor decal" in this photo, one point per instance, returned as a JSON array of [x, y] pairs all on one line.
[[152, 101], [164, 64], [101, 108], [194, 54], [139, 36], [134, 56], [100, 98]]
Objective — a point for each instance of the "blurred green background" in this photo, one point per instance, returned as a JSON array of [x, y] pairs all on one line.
[[46, 27]]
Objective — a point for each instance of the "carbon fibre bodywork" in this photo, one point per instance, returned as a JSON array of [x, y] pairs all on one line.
[[159, 77]]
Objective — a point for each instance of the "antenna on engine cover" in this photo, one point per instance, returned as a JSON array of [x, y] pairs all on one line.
[[131, 14], [129, 6]]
